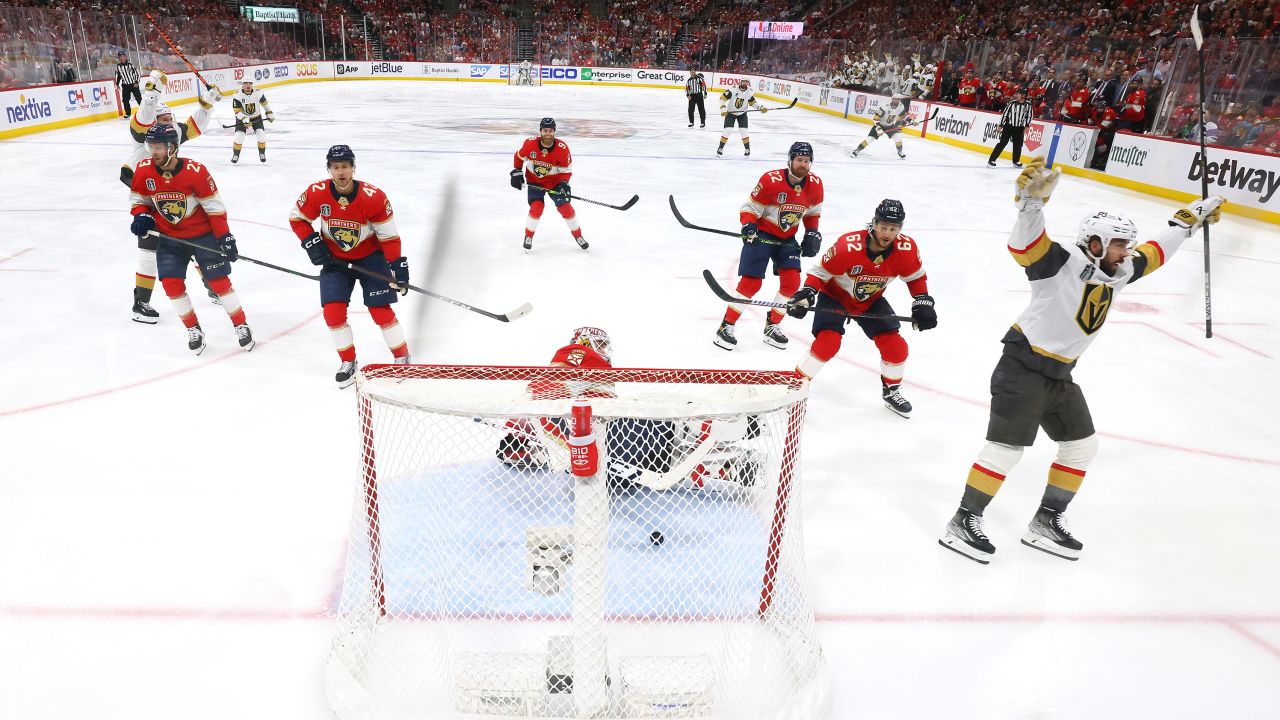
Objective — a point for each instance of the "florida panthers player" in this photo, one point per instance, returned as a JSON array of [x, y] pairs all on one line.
[[780, 203], [734, 104], [251, 108], [546, 164], [1072, 288], [888, 120], [852, 276], [152, 112], [357, 230], [179, 198]]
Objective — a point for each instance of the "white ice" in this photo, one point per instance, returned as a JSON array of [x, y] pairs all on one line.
[[172, 526]]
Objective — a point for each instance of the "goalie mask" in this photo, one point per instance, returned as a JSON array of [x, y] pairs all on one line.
[[1106, 226], [596, 339]]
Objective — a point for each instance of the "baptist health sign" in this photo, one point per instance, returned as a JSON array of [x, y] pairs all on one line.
[[271, 14], [766, 30]]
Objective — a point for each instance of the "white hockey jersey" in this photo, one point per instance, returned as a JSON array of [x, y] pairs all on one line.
[[145, 117], [252, 106], [892, 115], [1070, 295], [736, 101]]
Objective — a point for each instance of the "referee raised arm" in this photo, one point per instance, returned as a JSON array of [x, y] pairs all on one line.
[[1013, 123], [696, 88], [127, 78]]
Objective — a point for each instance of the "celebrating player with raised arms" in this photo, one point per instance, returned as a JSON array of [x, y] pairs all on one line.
[[734, 104], [1072, 288], [852, 276], [888, 120], [546, 164], [357, 230], [152, 112], [780, 203], [179, 198], [251, 108]]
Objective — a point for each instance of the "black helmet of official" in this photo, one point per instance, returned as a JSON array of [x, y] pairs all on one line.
[[890, 211], [547, 123], [799, 148], [340, 153], [163, 134]]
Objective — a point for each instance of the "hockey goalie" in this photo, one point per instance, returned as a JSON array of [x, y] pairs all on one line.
[[658, 454]]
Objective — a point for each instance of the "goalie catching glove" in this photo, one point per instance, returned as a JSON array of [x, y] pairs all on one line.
[[1198, 213], [1034, 185]]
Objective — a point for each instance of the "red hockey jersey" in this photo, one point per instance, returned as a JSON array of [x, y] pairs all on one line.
[[573, 355], [354, 225], [849, 273], [542, 167], [968, 91], [184, 200], [777, 207]]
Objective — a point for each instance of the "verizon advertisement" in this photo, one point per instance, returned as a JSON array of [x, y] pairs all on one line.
[[1248, 178], [1074, 144]]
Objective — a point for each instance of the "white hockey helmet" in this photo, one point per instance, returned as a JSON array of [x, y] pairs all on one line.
[[1106, 226], [596, 339], [162, 109]]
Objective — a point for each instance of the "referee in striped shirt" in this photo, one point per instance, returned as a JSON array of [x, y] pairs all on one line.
[[696, 89], [127, 78], [1013, 123]]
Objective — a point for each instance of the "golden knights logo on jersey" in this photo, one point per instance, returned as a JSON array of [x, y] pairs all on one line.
[[789, 215], [172, 206], [1094, 304], [344, 232]]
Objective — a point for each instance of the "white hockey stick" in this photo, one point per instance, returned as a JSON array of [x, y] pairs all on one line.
[[713, 432]]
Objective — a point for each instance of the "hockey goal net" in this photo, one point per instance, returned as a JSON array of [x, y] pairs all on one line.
[[524, 75], [485, 579]]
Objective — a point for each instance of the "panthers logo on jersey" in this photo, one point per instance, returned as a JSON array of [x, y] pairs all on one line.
[[345, 233], [864, 290], [541, 169], [172, 206], [1094, 304], [789, 216]]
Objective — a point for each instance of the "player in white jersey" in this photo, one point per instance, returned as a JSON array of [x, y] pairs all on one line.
[[524, 73], [153, 112], [888, 120], [251, 108], [734, 104], [1072, 288]]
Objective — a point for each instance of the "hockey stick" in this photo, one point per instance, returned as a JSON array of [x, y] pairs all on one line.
[[176, 50], [228, 127], [712, 432], [516, 314], [725, 296], [680, 219], [780, 107], [238, 257], [625, 206], [913, 121]]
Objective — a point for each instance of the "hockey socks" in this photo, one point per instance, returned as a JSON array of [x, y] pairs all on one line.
[[747, 288], [335, 317], [229, 299], [1066, 474], [531, 223], [176, 290], [392, 333]]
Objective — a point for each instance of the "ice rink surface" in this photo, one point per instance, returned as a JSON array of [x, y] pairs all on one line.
[[172, 527]]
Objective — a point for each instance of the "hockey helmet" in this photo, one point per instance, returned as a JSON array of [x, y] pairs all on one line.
[[744, 83], [339, 153], [799, 148], [163, 134], [1106, 226], [162, 109], [547, 122], [890, 211], [596, 339]]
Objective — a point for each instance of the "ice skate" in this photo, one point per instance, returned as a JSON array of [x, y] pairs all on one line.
[[893, 399], [1048, 533], [966, 536], [528, 245], [144, 313], [582, 242], [195, 339], [245, 337], [346, 374], [724, 337], [773, 336]]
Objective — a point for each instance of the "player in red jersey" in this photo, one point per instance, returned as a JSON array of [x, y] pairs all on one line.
[[968, 88], [547, 165], [852, 277], [771, 219], [357, 230], [179, 198]]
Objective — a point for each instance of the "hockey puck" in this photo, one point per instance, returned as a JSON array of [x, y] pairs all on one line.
[[656, 538]]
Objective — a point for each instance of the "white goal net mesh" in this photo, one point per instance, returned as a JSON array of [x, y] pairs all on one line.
[[485, 579], [519, 74]]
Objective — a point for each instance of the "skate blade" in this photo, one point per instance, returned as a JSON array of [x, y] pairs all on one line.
[[960, 547], [775, 344], [1045, 545], [201, 348], [899, 413], [250, 346], [145, 319], [347, 383], [723, 345]]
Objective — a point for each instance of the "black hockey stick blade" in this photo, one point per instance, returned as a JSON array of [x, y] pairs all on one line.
[[516, 314], [725, 296], [246, 258], [780, 107], [625, 206], [680, 219]]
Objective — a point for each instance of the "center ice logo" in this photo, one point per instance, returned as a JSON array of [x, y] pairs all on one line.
[[172, 206]]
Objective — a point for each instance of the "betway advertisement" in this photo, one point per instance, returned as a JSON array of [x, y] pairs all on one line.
[[43, 105], [1251, 179]]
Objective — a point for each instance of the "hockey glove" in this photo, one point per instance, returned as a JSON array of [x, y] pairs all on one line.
[[1034, 185], [799, 304], [1198, 213], [724, 113], [212, 95], [923, 316], [764, 109], [812, 243], [228, 245], [142, 224], [400, 268], [155, 80], [562, 188], [749, 231], [317, 250], [271, 118], [517, 179]]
